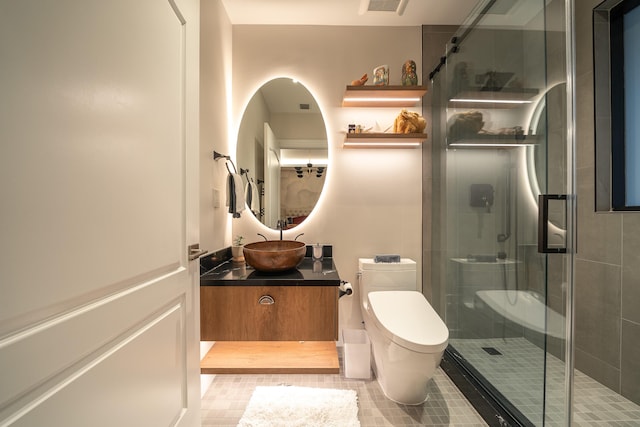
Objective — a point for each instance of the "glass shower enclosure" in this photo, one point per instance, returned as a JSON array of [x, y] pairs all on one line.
[[502, 204]]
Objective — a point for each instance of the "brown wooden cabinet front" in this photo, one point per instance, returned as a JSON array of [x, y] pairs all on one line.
[[298, 313]]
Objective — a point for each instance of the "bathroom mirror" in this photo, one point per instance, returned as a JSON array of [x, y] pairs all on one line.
[[282, 153], [546, 160]]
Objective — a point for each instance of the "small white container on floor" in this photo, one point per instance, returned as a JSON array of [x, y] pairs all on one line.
[[357, 354]]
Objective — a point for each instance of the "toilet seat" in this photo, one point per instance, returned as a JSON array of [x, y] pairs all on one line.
[[407, 318]]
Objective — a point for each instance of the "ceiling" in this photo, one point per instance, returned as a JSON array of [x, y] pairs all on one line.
[[345, 12], [286, 96]]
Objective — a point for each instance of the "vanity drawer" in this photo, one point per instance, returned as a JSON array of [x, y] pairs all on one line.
[[297, 313]]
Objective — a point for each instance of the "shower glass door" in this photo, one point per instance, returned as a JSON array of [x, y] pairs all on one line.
[[501, 133]]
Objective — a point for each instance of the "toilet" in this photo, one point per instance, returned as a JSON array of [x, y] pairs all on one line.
[[408, 337]]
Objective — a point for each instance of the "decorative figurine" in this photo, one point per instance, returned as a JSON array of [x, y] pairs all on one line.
[[409, 76], [409, 122], [361, 81], [381, 75]]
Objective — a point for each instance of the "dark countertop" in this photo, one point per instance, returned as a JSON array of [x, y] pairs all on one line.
[[308, 273]]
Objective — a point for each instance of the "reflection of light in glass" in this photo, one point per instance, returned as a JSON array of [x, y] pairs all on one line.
[[528, 310], [531, 170], [488, 144], [381, 100], [491, 101], [529, 162], [534, 122]]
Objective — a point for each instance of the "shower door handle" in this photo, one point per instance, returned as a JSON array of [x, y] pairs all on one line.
[[543, 224]]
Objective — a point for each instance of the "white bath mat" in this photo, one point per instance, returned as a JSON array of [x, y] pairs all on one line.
[[291, 406]]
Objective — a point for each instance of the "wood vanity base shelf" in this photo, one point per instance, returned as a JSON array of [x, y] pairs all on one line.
[[271, 357]]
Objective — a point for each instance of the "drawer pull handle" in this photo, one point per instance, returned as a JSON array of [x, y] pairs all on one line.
[[266, 300]]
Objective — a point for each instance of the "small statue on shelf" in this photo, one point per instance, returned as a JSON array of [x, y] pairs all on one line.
[[409, 76], [409, 122], [381, 75], [361, 81]]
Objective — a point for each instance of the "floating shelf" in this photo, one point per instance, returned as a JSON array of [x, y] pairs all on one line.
[[495, 141], [383, 96], [487, 263], [506, 98], [384, 140]]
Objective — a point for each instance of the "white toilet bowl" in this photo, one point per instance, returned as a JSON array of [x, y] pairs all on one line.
[[407, 335]]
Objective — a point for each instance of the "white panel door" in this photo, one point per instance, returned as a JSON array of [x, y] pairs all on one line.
[[98, 301]]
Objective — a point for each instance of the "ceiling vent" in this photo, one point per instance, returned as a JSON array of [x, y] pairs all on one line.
[[397, 6]]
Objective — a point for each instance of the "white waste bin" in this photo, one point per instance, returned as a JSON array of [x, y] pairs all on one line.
[[357, 353]]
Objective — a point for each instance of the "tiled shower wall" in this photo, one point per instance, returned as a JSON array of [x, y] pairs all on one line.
[[607, 273]]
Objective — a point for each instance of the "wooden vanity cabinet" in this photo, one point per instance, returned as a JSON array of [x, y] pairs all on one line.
[[298, 313]]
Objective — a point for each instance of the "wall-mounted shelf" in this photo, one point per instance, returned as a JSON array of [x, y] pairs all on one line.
[[506, 98], [383, 96], [495, 141], [384, 140], [497, 261]]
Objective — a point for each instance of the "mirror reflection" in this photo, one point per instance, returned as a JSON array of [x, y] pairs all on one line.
[[546, 160], [282, 153]]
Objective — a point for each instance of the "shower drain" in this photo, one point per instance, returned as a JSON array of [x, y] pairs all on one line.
[[492, 351]]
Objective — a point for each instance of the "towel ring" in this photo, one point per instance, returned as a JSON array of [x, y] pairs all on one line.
[[218, 156], [232, 164]]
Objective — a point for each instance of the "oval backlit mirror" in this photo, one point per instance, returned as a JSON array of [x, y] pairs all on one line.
[[282, 153]]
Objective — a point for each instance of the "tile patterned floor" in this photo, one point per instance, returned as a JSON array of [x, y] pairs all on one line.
[[224, 402], [518, 374]]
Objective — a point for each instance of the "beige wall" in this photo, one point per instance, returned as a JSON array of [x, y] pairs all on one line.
[[372, 200], [215, 95]]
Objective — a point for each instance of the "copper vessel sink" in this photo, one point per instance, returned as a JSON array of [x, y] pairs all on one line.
[[274, 255]]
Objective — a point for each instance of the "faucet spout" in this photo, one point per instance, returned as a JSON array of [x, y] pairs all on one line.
[[281, 224]]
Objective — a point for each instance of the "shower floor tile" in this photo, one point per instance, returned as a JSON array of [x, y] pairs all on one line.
[[224, 402], [518, 374]]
